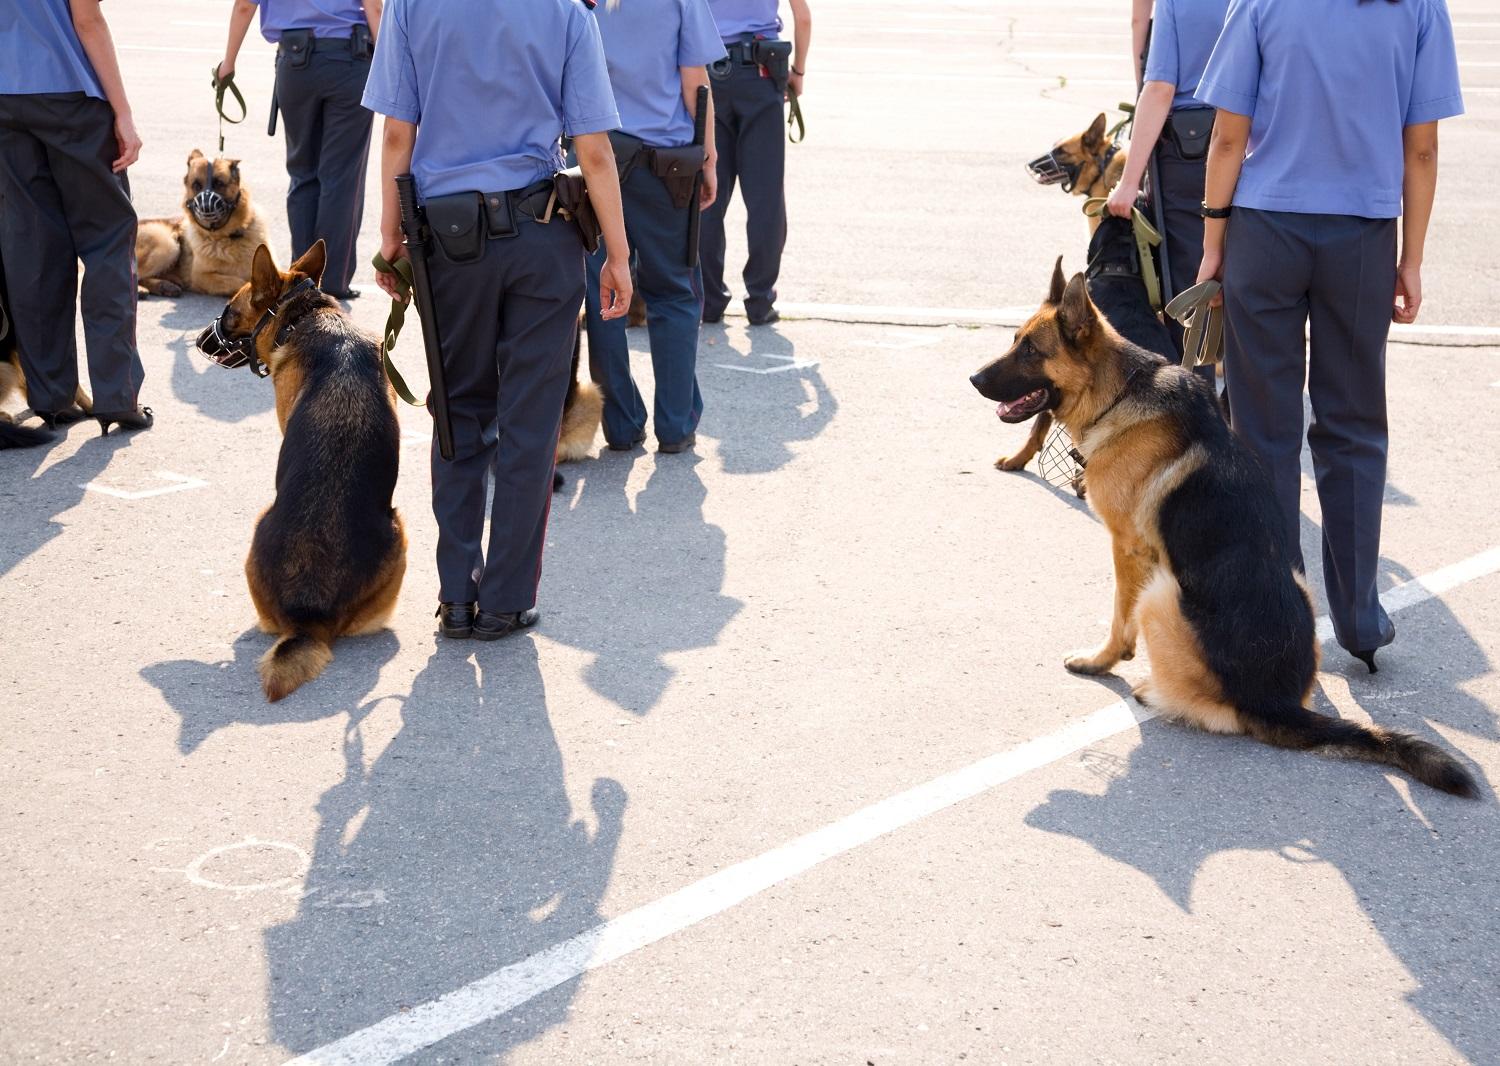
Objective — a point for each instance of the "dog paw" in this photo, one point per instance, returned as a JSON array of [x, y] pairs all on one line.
[[1090, 664], [1143, 694], [1011, 463]]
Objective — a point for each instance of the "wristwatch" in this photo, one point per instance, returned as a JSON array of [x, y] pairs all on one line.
[[1214, 212]]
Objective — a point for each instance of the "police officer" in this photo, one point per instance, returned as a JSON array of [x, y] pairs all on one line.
[[507, 276], [751, 143], [322, 59], [1336, 104], [1171, 121], [658, 53], [66, 139]]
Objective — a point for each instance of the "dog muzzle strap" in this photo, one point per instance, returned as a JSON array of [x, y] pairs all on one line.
[[230, 352], [210, 209]]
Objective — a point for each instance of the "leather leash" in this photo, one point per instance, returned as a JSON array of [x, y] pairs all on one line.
[[220, 87], [401, 271], [1203, 342], [794, 120]]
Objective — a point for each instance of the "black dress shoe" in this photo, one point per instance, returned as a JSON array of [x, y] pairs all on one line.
[[770, 317], [630, 445], [712, 317], [492, 626], [558, 481], [140, 418], [678, 446], [66, 417], [347, 294], [456, 620]]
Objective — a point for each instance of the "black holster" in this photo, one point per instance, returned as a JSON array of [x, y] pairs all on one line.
[[678, 169], [572, 193], [775, 58]]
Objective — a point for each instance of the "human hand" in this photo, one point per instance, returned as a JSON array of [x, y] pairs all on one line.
[[129, 143], [1408, 294], [391, 249], [1212, 269], [614, 283], [225, 70], [1121, 202], [709, 191], [794, 82]]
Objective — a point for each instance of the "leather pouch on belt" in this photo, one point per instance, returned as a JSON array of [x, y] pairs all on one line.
[[678, 169], [573, 203], [775, 57], [627, 152], [454, 221], [296, 48], [1190, 130]]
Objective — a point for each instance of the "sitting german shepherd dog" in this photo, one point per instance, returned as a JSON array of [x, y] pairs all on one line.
[[1086, 164], [329, 554], [1201, 569]]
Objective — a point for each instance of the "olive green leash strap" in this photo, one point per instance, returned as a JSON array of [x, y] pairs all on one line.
[[796, 125], [401, 270], [1203, 340], [1146, 238], [221, 86]]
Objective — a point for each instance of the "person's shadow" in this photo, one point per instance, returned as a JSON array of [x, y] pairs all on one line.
[[658, 591], [217, 393], [33, 498], [767, 403], [450, 854], [1427, 881]]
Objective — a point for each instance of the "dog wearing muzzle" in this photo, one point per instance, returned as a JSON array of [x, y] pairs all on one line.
[[210, 247]]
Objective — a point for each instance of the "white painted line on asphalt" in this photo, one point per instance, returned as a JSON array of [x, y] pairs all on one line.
[[795, 364], [489, 997], [183, 484]]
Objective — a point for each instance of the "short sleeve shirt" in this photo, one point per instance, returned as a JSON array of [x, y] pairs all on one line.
[[1328, 86], [326, 18], [1183, 33], [741, 18], [40, 51], [646, 43], [491, 86]]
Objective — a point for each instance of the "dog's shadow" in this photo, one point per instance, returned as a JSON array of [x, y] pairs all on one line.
[[210, 696], [212, 391]]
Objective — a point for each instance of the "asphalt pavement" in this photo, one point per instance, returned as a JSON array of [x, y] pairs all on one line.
[[790, 772]]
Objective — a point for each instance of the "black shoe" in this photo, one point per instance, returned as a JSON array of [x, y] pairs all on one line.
[[635, 442], [491, 626], [66, 417], [140, 418], [456, 620], [1368, 658], [558, 481], [676, 447], [770, 317], [347, 294], [711, 318]]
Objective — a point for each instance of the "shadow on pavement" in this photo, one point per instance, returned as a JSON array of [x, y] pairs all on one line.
[[757, 416], [659, 589], [31, 502], [1424, 875], [453, 852], [217, 393]]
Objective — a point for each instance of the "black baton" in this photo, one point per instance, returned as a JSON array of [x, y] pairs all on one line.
[[415, 232], [275, 110], [695, 213]]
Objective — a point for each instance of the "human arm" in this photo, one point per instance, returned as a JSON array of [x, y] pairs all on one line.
[[373, 10], [597, 159], [801, 41], [99, 46], [1140, 26], [1226, 155], [397, 141], [239, 23], [1420, 143], [1151, 111], [692, 79]]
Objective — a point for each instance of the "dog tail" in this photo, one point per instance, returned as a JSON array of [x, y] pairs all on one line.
[[1303, 730], [292, 662], [14, 436]]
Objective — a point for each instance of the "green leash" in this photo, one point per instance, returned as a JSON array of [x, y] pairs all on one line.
[[796, 126], [401, 270], [221, 86], [1146, 238]]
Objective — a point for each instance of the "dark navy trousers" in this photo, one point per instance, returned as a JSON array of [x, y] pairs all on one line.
[[507, 321], [673, 292], [327, 133], [750, 136], [61, 203], [1283, 273]]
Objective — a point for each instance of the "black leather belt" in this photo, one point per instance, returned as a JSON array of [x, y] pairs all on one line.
[[531, 201], [742, 52]]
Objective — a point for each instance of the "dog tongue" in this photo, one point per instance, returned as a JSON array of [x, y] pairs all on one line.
[[1003, 408]]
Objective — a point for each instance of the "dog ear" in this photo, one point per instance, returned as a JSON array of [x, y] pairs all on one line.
[[265, 279], [1095, 133], [194, 156], [1076, 315], [1059, 284], [234, 170], [312, 262]]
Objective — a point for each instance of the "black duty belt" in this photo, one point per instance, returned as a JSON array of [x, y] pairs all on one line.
[[742, 52], [531, 201]]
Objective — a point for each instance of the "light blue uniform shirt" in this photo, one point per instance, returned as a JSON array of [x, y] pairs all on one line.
[[1183, 33], [1329, 86], [646, 42], [739, 17], [326, 18], [40, 51], [491, 86]]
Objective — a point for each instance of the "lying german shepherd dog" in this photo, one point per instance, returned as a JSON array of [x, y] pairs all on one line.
[[1201, 569], [329, 554], [210, 246], [1119, 292]]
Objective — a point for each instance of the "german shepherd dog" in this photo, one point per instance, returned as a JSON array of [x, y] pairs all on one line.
[[210, 246], [1201, 568], [1119, 292], [329, 554], [582, 411], [1086, 164]]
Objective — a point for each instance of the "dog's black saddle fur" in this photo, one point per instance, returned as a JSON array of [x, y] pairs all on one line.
[[1117, 289]]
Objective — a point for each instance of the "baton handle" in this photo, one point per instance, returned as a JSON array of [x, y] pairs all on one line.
[[416, 250]]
